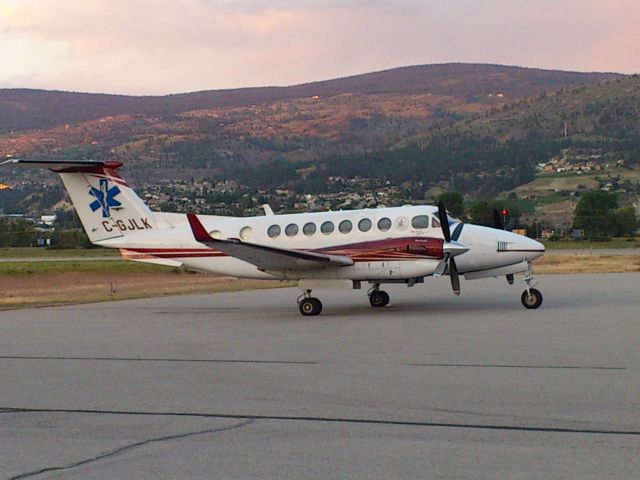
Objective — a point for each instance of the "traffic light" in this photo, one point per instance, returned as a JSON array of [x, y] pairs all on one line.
[[504, 212]]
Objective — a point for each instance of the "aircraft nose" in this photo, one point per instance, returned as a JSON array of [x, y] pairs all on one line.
[[534, 248]]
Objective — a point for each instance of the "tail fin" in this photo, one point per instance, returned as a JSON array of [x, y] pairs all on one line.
[[107, 206]]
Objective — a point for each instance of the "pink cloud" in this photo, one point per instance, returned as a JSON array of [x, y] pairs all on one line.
[[162, 46]]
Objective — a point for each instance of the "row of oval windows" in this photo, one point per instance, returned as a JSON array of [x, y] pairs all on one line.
[[345, 226]]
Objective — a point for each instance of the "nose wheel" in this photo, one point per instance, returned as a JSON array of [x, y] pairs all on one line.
[[378, 298], [308, 305], [531, 298]]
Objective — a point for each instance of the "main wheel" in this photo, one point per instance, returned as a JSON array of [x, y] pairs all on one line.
[[379, 299], [310, 307], [531, 299]]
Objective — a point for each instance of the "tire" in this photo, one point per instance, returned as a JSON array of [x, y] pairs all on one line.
[[310, 307], [532, 300], [379, 299]]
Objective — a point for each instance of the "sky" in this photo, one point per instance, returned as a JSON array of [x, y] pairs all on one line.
[[151, 47]]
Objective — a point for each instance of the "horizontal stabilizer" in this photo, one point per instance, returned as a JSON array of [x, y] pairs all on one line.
[[66, 166], [146, 258]]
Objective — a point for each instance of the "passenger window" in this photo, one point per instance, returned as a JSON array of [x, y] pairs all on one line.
[[345, 226], [245, 233], [309, 229], [420, 221], [364, 225], [327, 228], [384, 224], [274, 231], [435, 223], [291, 230]]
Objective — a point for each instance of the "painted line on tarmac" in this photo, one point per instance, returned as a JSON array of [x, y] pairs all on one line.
[[344, 420], [481, 365], [299, 362], [138, 359], [176, 360]]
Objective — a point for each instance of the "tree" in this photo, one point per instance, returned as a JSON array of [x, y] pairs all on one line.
[[481, 212], [453, 201], [624, 221], [595, 213]]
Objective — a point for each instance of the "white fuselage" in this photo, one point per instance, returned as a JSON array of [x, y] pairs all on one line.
[[173, 243]]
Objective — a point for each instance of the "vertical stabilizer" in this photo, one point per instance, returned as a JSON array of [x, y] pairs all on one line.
[[107, 206]]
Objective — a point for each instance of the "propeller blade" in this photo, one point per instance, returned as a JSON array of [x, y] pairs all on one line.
[[444, 222], [456, 232], [497, 220], [455, 279], [441, 267]]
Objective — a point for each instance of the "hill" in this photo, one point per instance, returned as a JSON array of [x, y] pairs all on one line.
[[25, 109], [230, 129], [580, 129]]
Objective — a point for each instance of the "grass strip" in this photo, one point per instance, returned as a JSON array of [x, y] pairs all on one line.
[[39, 252]]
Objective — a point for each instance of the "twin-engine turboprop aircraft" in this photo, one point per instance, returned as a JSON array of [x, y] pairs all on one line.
[[319, 249]]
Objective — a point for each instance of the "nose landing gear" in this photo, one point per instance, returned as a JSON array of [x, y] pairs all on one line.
[[308, 305], [377, 297], [531, 298]]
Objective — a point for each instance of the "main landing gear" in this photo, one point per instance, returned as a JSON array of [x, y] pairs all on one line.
[[377, 297], [531, 298], [309, 306]]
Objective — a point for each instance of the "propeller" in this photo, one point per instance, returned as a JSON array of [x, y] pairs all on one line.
[[450, 248], [497, 220]]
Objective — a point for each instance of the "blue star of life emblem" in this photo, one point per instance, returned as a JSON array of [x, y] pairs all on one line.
[[105, 197]]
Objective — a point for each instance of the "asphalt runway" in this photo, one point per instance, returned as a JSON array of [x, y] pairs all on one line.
[[239, 385]]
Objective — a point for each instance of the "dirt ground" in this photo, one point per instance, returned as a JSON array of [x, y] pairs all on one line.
[[586, 263], [81, 287]]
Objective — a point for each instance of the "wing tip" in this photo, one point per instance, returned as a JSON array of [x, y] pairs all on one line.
[[199, 232]]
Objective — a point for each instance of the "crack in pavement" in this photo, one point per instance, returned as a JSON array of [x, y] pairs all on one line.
[[126, 448]]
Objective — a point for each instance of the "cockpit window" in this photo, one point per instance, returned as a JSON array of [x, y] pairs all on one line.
[[420, 221]]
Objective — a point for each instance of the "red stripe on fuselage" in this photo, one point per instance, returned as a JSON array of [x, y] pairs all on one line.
[[400, 249]]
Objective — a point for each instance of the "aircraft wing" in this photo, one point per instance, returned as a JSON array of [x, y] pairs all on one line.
[[264, 257]]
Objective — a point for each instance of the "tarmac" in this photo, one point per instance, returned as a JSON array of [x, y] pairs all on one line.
[[241, 386]]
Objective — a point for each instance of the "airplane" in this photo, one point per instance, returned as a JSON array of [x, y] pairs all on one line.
[[346, 248]]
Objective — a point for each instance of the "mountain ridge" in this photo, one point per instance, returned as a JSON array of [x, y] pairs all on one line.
[[30, 109]]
